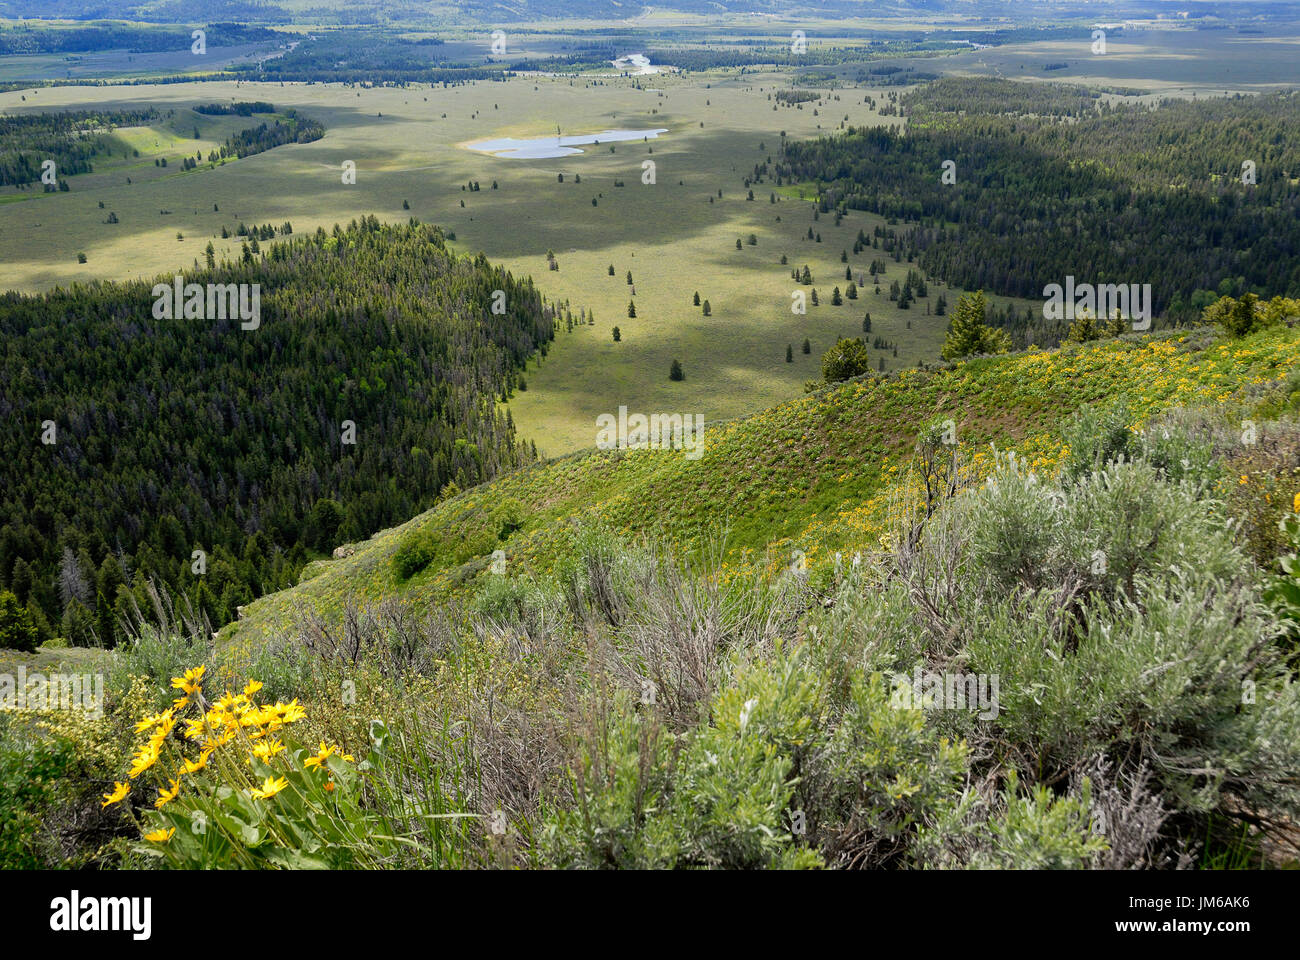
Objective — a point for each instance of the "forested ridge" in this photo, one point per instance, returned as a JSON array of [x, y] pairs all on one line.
[[295, 128], [181, 435], [29, 38], [71, 138], [241, 108], [344, 56], [1051, 183]]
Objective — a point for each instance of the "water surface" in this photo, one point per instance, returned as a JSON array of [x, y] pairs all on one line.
[[537, 148]]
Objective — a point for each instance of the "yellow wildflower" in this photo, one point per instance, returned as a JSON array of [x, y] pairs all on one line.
[[196, 728], [120, 790], [270, 787], [167, 796], [322, 755], [160, 836], [220, 741], [194, 766], [290, 712], [142, 761], [267, 749], [152, 721], [190, 681]]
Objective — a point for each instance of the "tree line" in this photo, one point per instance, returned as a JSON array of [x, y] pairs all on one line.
[[72, 139], [133, 442], [26, 39], [1122, 193], [294, 128]]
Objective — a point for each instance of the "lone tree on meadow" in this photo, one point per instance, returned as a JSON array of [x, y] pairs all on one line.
[[618, 335], [789, 353], [848, 358], [675, 371], [697, 298], [708, 310], [969, 334], [631, 309]]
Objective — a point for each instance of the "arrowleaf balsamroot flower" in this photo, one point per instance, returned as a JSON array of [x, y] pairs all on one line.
[[230, 718], [194, 766], [167, 796], [269, 788], [152, 721], [120, 790], [143, 760], [324, 754], [190, 681], [266, 749]]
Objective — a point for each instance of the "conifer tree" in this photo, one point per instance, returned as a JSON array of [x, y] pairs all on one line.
[[969, 334]]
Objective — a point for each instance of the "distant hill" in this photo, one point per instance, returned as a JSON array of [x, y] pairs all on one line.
[[381, 12]]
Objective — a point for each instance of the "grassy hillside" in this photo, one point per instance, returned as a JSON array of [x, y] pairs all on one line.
[[815, 475], [1105, 599]]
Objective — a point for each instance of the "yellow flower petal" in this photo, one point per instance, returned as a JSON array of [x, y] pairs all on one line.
[[270, 787], [120, 790]]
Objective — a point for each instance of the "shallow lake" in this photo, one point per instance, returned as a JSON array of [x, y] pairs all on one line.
[[637, 64], [537, 148]]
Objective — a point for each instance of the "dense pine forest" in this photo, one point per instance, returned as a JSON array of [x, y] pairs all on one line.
[[352, 57], [72, 139], [1110, 193], [294, 128], [242, 108], [30, 39], [169, 436]]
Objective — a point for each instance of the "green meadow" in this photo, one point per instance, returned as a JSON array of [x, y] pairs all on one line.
[[676, 236]]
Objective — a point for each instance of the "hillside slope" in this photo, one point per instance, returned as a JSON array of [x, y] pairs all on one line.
[[354, 381], [806, 479]]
